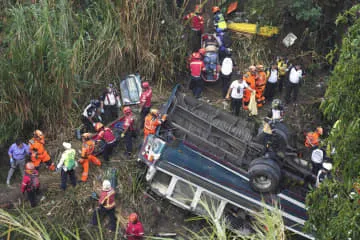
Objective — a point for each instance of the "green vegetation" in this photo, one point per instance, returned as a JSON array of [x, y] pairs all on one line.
[[333, 213], [58, 54]]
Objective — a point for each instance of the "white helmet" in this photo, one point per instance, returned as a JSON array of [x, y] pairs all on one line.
[[317, 156], [66, 145], [327, 166], [106, 185]]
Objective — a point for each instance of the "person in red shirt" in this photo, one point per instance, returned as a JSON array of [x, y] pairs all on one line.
[[196, 68], [197, 27], [30, 183], [107, 135], [106, 205], [134, 228], [145, 102], [128, 129]]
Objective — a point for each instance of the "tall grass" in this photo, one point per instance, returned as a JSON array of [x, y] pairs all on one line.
[[58, 54]]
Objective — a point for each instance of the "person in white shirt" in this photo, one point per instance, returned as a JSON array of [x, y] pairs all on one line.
[[110, 104], [292, 88], [236, 93], [272, 75]]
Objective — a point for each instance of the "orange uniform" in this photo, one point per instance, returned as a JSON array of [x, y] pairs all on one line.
[[250, 80], [38, 152], [260, 84], [151, 123], [312, 139], [86, 156]]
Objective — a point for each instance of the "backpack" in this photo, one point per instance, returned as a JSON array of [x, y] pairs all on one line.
[[34, 182], [69, 162], [227, 66]]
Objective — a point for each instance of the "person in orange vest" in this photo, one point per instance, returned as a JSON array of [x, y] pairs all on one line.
[[197, 66], [87, 150], [152, 121], [38, 152], [312, 139], [250, 77], [260, 84], [197, 27]]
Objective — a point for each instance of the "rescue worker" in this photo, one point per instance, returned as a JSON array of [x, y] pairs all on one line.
[[152, 121], [196, 68], [106, 206], [225, 43], [250, 78], [106, 134], [38, 153], [197, 27], [67, 164], [18, 152], [293, 83], [87, 149], [236, 92], [91, 116], [145, 102], [110, 104], [282, 65], [134, 228], [312, 139], [226, 72], [128, 130], [324, 173], [219, 20], [30, 183], [260, 84], [272, 76], [277, 110]]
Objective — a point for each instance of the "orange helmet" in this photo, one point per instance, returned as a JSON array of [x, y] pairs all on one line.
[[196, 55], [29, 167], [197, 9], [98, 126], [202, 51], [127, 110], [38, 133], [320, 130], [215, 9], [133, 217]]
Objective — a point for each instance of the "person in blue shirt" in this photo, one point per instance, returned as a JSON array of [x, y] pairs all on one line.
[[17, 154]]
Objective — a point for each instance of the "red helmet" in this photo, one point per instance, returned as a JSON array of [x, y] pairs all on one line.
[[215, 9], [197, 9], [127, 110], [202, 51], [98, 126], [133, 217], [145, 84], [196, 55]]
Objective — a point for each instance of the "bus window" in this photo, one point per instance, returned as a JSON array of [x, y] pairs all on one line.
[[161, 182], [236, 216], [183, 192], [207, 202]]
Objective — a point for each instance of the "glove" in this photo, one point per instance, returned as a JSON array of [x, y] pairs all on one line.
[[122, 135], [94, 124], [11, 161], [102, 110]]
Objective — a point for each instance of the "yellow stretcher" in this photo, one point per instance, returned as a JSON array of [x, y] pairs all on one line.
[[265, 31]]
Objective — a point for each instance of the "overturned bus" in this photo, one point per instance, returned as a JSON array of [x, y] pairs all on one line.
[[204, 154]]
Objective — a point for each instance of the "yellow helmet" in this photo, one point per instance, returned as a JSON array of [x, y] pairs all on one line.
[[154, 111]]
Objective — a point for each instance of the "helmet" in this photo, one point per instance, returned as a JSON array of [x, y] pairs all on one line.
[[196, 55], [260, 66], [215, 9], [86, 135], [106, 185], [320, 130], [127, 110], [145, 84], [252, 68], [276, 103], [202, 51], [327, 166], [98, 126], [38, 133], [133, 217], [29, 167], [66, 145], [154, 111], [197, 9], [94, 102]]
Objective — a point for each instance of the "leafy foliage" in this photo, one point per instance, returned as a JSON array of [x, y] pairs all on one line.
[[333, 214], [305, 10]]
